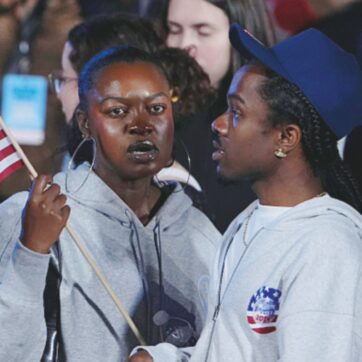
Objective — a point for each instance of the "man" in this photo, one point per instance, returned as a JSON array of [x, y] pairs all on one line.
[[287, 281]]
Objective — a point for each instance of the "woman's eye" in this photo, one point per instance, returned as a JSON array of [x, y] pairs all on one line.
[[204, 33], [172, 29], [117, 111], [157, 108], [174, 32], [204, 30]]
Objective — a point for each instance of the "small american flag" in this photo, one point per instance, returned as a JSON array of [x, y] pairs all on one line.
[[10, 161]]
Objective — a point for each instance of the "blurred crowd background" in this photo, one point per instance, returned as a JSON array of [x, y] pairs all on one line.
[[33, 33]]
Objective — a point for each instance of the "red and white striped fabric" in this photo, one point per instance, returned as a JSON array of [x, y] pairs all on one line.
[[10, 161]]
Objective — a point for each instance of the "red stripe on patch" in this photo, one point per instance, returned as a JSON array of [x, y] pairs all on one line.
[[251, 320], [264, 330]]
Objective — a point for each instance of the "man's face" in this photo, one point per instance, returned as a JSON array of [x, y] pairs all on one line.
[[245, 142]]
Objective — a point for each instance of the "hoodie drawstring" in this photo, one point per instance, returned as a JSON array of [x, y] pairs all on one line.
[[135, 242]]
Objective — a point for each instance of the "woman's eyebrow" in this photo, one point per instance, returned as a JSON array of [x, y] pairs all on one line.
[[196, 25], [173, 23], [159, 94], [125, 99], [202, 25], [113, 98]]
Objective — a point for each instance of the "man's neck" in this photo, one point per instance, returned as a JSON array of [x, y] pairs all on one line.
[[290, 189]]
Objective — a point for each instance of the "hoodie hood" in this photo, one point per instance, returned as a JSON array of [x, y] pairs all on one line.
[[326, 206], [318, 206]]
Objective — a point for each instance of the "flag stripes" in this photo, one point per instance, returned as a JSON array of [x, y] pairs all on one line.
[[9, 159]]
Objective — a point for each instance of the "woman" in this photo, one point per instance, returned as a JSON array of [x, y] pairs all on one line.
[[90, 37], [203, 32], [152, 245], [190, 84], [299, 246], [201, 28]]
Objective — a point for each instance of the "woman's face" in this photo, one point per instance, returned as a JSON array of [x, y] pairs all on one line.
[[68, 93], [202, 29], [130, 117]]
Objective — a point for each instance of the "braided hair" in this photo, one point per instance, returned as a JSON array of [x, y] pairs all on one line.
[[287, 104]]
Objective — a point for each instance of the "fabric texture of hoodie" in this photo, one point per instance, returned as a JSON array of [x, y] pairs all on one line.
[[295, 294], [179, 237]]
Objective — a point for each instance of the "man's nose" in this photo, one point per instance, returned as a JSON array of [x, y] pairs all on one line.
[[220, 125]]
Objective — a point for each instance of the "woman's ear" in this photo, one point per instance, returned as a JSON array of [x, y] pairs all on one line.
[[290, 137], [82, 119]]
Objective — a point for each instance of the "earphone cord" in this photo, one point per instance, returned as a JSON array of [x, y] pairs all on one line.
[[137, 253], [189, 165]]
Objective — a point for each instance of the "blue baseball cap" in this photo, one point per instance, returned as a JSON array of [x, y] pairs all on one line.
[[326, 74]]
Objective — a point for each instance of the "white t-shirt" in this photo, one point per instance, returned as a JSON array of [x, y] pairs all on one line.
[[260, 217]]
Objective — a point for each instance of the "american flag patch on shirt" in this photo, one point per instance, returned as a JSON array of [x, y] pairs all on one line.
[[263, 309]]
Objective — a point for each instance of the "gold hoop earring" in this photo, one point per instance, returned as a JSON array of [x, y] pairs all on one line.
[[279, 153], [175, 97], [71, 161]]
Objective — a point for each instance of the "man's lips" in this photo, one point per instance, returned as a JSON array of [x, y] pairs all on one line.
[[143, 151], [219, 152]]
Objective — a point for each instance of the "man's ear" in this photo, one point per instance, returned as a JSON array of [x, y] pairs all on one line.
[[82, 119], [289, 137]]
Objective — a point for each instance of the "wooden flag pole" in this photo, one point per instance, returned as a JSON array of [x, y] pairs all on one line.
[[106, 285], [88, 257]]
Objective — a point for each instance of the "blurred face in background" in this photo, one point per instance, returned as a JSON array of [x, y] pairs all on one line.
[[202, 29], [67, 91]]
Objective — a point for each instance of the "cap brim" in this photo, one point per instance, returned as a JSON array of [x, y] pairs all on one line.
[[251, 48]]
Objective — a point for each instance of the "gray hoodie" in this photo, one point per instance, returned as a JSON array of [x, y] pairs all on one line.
[[126, 251], [294, 296]]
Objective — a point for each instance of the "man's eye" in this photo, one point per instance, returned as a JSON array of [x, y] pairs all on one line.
[[157, 108], [235, 116]]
